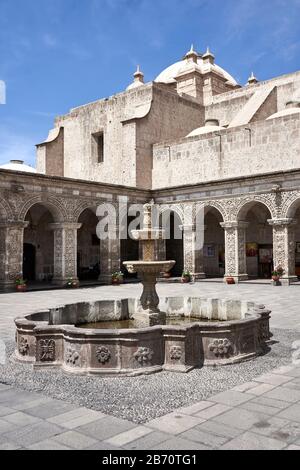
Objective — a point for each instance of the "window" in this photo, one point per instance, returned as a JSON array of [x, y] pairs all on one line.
[[98, 147]]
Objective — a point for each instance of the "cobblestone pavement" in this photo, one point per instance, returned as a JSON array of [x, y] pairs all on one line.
[[261, 414]]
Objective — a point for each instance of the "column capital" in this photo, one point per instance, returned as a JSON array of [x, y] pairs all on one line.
[[234, 224], [15, 224], [64, 225], [282, 221], [187, 227], [192, 227]]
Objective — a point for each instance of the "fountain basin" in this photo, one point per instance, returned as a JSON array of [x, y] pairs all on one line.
[[238, 331], [149, 267]]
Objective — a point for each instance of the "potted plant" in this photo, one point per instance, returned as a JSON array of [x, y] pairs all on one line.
[[72, 283], [21, 285], [230, 280], [277, 273], [186, 277], [117, 278]]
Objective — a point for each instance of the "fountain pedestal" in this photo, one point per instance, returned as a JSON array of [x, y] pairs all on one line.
[[148, 269]]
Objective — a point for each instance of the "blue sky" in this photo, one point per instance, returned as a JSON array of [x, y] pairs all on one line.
[[58, 54]]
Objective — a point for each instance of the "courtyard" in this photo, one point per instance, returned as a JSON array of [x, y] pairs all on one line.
[[255, 404]]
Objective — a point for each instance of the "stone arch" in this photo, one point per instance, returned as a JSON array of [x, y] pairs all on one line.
[[6, 212], [212, 206], [172, 208], [246, 204], [88, 244], [213, 252], [173, 244], [255, 238], [82, 207], [290, 206], [52, 204], [217, 206]]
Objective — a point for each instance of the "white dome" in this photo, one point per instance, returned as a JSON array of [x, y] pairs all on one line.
[[284, 112], [168, 75], [204, 130], [18, 165], [135, 85]]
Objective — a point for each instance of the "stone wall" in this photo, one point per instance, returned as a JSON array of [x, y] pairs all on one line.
[[273, 145], [225, 106], [170, 117], [131, 123]]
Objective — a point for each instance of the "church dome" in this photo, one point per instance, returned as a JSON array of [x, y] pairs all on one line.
[[168, 75], [204, 130], [18, 165], [284, 112]]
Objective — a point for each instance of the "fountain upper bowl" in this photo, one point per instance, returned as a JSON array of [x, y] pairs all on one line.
[[149, 266]]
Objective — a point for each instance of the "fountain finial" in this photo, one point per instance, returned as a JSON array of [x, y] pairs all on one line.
[[148, 207]]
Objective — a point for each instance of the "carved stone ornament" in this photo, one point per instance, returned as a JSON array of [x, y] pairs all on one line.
[[176, 353], [23, 346], [72, 355], [143, 355], [103, 354], [220, 347], [263, 331], [46, 348]]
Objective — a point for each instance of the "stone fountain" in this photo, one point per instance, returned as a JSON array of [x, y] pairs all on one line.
[[149, 269], [132, 336]]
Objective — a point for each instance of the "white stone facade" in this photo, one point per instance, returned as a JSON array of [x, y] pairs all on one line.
[[241, 163]]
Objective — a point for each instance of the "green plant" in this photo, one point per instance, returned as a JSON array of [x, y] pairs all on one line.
[[71, 282], [186, 274], [20, 281], [117, 275], [278, 271]]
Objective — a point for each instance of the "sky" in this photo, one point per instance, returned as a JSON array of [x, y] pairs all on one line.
[[59, 54]]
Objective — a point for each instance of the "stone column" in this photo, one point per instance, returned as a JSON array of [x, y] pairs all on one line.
[[65, 251], [11, 253], [110, 255], [284, 247], [235, 250], [192, 252]]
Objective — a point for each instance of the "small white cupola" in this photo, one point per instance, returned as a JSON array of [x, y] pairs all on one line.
[[192, 55], [138, 79], [18, 165], [208, 57], [252, 80]]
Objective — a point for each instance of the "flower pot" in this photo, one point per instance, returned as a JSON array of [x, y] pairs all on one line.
[[185, 279], [276, 278], [21, 288], [115, 281], [230, 280]]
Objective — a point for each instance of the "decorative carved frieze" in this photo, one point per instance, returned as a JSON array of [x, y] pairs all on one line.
[[72, 355], [143, 355], [175, 353], [46, 350], [220, 347], [23, 346], [103, 354]]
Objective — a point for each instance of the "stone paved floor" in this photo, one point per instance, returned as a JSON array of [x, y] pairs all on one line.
[[262, 414], [283, 301]]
